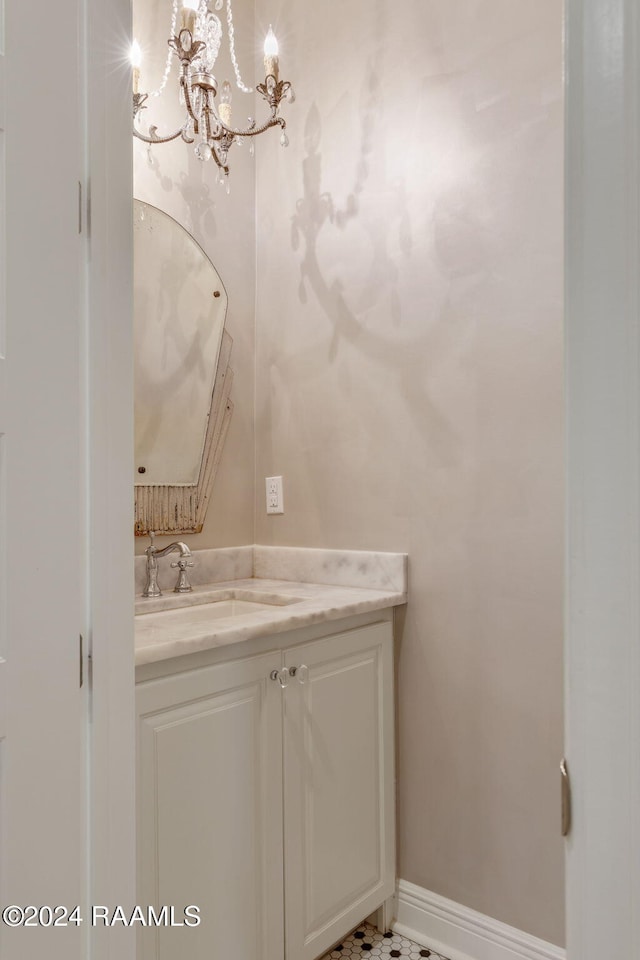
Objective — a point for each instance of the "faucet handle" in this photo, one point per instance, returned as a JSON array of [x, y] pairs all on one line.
[[183, 585], [151, 588]]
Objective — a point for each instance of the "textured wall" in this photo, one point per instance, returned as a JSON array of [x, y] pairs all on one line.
[[409, 389], [185, 188]]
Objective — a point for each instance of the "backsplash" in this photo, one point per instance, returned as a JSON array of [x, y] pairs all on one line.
[[211, 566], [347, 568]]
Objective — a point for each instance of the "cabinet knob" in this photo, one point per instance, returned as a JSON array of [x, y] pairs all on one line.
[[282, 676], [301, 673]]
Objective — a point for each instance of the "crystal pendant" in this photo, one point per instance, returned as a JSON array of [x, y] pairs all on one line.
[[284, 140], [203, 151], [290, 95], [252, 149]]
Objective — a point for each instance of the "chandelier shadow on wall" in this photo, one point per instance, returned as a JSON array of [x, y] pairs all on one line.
[[207, 123]]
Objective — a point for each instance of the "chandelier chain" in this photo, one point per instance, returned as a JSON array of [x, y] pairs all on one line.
[[169, 62], [232, 51]]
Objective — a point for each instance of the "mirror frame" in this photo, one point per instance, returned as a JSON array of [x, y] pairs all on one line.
[[181, 508]]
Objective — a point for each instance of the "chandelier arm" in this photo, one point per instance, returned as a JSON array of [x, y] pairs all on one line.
[[254, 131], [273, 98], [152, 136]]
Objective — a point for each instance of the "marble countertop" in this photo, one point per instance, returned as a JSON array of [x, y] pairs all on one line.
[[164, 629], [294, 587]]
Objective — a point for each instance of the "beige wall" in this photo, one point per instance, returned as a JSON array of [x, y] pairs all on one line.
[[224, 226], [409, 386], [409, 389]]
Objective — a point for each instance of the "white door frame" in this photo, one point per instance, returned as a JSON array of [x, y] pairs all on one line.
[[66, 499], [43, 706], [110, 450], [603, 498]]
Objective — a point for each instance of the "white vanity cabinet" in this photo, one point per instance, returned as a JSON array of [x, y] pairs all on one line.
[[339, 817], [210, 810], [269, 807]]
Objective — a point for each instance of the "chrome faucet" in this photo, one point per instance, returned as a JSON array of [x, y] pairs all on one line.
[[151, 588]]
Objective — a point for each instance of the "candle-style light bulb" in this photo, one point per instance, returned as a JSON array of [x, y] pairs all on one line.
[[136, 54], [136, 61], [189, 13], [271, 54], [271, 44], [224, 109]]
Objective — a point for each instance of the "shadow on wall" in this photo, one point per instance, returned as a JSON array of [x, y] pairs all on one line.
[[316, 209], [383, 213], [195, 191]]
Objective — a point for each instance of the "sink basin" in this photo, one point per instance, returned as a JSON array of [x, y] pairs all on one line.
[[204, 612], [194, 616]]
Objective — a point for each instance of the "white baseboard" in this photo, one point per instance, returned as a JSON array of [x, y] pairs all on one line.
[[460, 933]]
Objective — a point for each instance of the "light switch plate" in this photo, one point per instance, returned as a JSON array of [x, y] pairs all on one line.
[[275, 498]]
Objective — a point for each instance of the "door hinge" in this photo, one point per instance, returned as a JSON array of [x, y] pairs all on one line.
[[566, 797], [80, 211], [81, 660]]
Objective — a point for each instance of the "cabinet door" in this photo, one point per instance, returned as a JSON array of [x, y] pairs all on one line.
[[210, 811], [339, 786]]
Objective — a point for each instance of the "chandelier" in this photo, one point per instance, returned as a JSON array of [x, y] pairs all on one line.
[[207, 124]]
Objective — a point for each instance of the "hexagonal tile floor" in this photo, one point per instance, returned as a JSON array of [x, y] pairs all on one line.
[[367, 942]]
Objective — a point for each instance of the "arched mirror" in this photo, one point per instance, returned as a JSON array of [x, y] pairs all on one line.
[[182, 376]]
